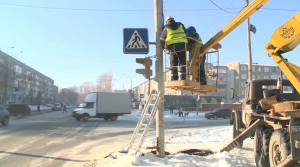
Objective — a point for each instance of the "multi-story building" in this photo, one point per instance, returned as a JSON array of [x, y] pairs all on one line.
[[13, 78]]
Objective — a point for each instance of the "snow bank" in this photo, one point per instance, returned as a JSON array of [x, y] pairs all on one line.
[[209, 138], [138, 112], [34, 107]]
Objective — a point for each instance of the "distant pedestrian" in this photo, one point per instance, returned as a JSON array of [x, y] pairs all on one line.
[[180, 112], [38, 109], [65, 109], [171, 109]]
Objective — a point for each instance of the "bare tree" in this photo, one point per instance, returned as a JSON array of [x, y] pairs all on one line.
[[105, 83], [84, 90], [68, 95]]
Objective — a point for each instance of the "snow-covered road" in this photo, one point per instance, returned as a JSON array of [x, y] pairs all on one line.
[[210, 136]]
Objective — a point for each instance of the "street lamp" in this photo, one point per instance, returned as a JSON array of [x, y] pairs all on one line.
[[9, 48]]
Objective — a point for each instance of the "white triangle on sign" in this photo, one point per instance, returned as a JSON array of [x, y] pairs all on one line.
[[136, 42]]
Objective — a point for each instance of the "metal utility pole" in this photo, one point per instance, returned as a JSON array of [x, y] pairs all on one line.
[[160, 122], [249, 47]]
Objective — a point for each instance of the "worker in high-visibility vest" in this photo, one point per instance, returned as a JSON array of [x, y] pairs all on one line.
[[176, 47], [192, 44]]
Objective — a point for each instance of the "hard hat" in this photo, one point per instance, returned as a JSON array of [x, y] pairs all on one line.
[[169, 17]]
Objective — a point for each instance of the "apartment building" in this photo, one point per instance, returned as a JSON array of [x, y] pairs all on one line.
[[13, 78]]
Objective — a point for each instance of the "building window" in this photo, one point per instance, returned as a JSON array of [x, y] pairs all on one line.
[[243, 92], [222, 79], [244, 76], [258, 76], [266, 77], [266, 70], [253, 69], [284, 77], [275, 76], [1, 61], [243, 84], [253, 76], [243, 68], [275, 69], [258, 69]]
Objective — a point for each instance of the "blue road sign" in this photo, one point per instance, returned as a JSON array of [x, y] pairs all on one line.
[[135, 41]]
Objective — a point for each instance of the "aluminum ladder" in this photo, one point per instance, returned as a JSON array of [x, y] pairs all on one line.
[[145, 121]]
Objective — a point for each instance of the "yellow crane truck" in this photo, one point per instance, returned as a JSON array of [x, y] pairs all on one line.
[[277, 132]]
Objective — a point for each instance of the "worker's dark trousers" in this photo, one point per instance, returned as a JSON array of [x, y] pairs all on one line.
[[178, 59], [202, 72]]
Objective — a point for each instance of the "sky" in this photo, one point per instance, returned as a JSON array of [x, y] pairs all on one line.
[[76, 46]]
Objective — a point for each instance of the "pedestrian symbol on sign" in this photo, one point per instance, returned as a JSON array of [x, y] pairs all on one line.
[[136, 41]]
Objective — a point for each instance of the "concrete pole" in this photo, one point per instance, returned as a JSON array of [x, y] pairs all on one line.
[[249, 48], [160, 122]]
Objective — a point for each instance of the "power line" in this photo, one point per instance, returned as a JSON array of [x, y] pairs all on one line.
[[219, 16], [221, 8], [130, 10]]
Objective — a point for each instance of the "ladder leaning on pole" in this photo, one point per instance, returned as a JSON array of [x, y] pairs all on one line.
[[145, 121]]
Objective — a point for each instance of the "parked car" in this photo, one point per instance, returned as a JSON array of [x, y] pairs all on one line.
[[56, 107], [17, 109], [4, 116], [49, 105], [219, 113]]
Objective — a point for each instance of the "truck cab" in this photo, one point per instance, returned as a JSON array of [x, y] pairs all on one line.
[[254, 92]]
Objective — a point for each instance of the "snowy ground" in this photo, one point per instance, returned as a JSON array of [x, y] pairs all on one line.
[[34, 107], [213, 138]]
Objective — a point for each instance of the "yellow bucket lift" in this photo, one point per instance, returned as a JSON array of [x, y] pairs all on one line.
[[190, 84]]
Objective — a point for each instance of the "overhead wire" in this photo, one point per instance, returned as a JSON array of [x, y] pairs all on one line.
[[220, 16], [130, 10], [222, 8]]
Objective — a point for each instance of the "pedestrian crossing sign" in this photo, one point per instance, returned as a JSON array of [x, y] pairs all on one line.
[[135, 41]]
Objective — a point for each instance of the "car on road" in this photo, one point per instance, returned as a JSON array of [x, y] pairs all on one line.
[[219, 113], [18, 109], [56, 107], [4, 116]]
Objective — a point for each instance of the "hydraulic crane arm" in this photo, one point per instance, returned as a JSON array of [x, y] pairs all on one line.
[[239, 19], [285, 39]]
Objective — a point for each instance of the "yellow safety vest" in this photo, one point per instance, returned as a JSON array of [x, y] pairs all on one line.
[[171, 34], [194, 45]]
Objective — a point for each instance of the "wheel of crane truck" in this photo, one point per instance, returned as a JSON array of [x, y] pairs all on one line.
[[113, 117], [279, 148], [86, 117], [261, 145], [235, 133]]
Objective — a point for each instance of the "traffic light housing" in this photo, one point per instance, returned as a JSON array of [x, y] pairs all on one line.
[[147, 62], [29, 77]]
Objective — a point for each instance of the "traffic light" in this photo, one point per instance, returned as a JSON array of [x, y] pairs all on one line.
[[147, 62], [132, 95], [29, 78]]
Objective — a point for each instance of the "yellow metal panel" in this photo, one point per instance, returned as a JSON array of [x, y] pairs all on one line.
[[287, 37], [240, 18]]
